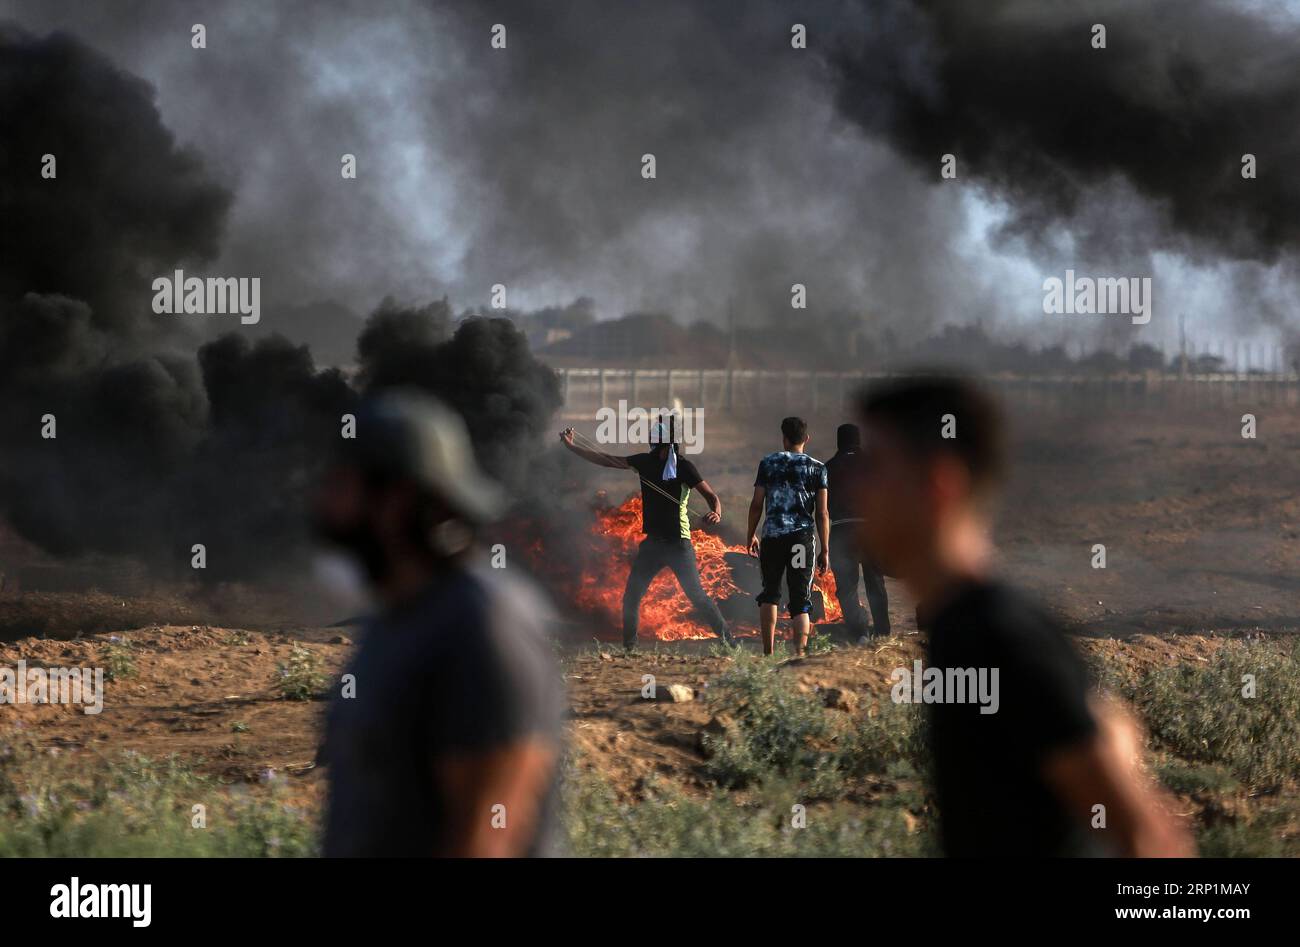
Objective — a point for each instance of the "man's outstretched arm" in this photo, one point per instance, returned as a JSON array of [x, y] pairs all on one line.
[[592, 456]]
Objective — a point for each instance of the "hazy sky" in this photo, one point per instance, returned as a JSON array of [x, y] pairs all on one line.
[[522, 166]]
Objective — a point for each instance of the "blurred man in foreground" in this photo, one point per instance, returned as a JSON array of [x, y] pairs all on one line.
[[848, 563], [1041, 769], [790, 496], [445, 737]]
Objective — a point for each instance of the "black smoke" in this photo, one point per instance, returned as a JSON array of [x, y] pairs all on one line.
[[162, 443], [485, 371], [77, 339], [127, 201], [521, 166], [1137, 147]]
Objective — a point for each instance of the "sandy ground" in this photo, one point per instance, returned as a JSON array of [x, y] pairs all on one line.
[[211, 696], [1202, 531]]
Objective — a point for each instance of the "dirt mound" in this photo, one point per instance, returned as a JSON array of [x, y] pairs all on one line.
[[212, 696]]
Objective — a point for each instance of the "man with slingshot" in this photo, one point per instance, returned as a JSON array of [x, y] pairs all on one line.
[[666, 484]]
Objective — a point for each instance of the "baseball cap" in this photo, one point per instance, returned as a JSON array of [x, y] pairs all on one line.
[[412, 435]]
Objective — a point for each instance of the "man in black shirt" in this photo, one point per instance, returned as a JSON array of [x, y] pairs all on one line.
[[1026, 761], [847, 560], [444, 735], [667, 480]]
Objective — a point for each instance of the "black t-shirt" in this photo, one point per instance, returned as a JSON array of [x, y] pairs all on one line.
[[843, 471], [465, 668], [665, 517], [988, 767]]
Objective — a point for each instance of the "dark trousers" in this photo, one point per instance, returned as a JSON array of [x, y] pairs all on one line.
[[793, 556], [653, 557], [848, 564]]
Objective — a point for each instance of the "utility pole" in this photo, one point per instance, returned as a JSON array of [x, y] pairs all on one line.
[[730, 398], [731, 332], [1182, 345]]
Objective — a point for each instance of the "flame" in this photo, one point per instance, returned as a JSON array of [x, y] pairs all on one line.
[[666, 613]]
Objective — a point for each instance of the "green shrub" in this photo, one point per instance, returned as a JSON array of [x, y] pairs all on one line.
[[1265, 835], [120, 660], [890, 741], [668, 822], [302, 676], [1199, 713], [773, 734], [1187, 778], [774, 729], [136, 807]]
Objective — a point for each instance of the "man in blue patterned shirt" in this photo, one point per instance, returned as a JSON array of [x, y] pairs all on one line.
[[790, 493]]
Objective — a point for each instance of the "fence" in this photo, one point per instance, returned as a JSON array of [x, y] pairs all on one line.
[[587, 389]]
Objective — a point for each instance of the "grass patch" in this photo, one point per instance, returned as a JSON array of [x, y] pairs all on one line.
[[772, 729], [770, 732], [1190, 778], [890, 739], [119, 659], [1265, 835], [137, 807], [302, 677], [1202, 714], [668, 822], [864, 777], [820, 643]]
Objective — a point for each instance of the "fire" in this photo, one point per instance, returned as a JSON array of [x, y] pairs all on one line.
[[666, 613]]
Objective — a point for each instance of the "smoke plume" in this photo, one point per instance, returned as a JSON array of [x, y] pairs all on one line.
[[522, 167], [154, 449], [1180, 92]]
